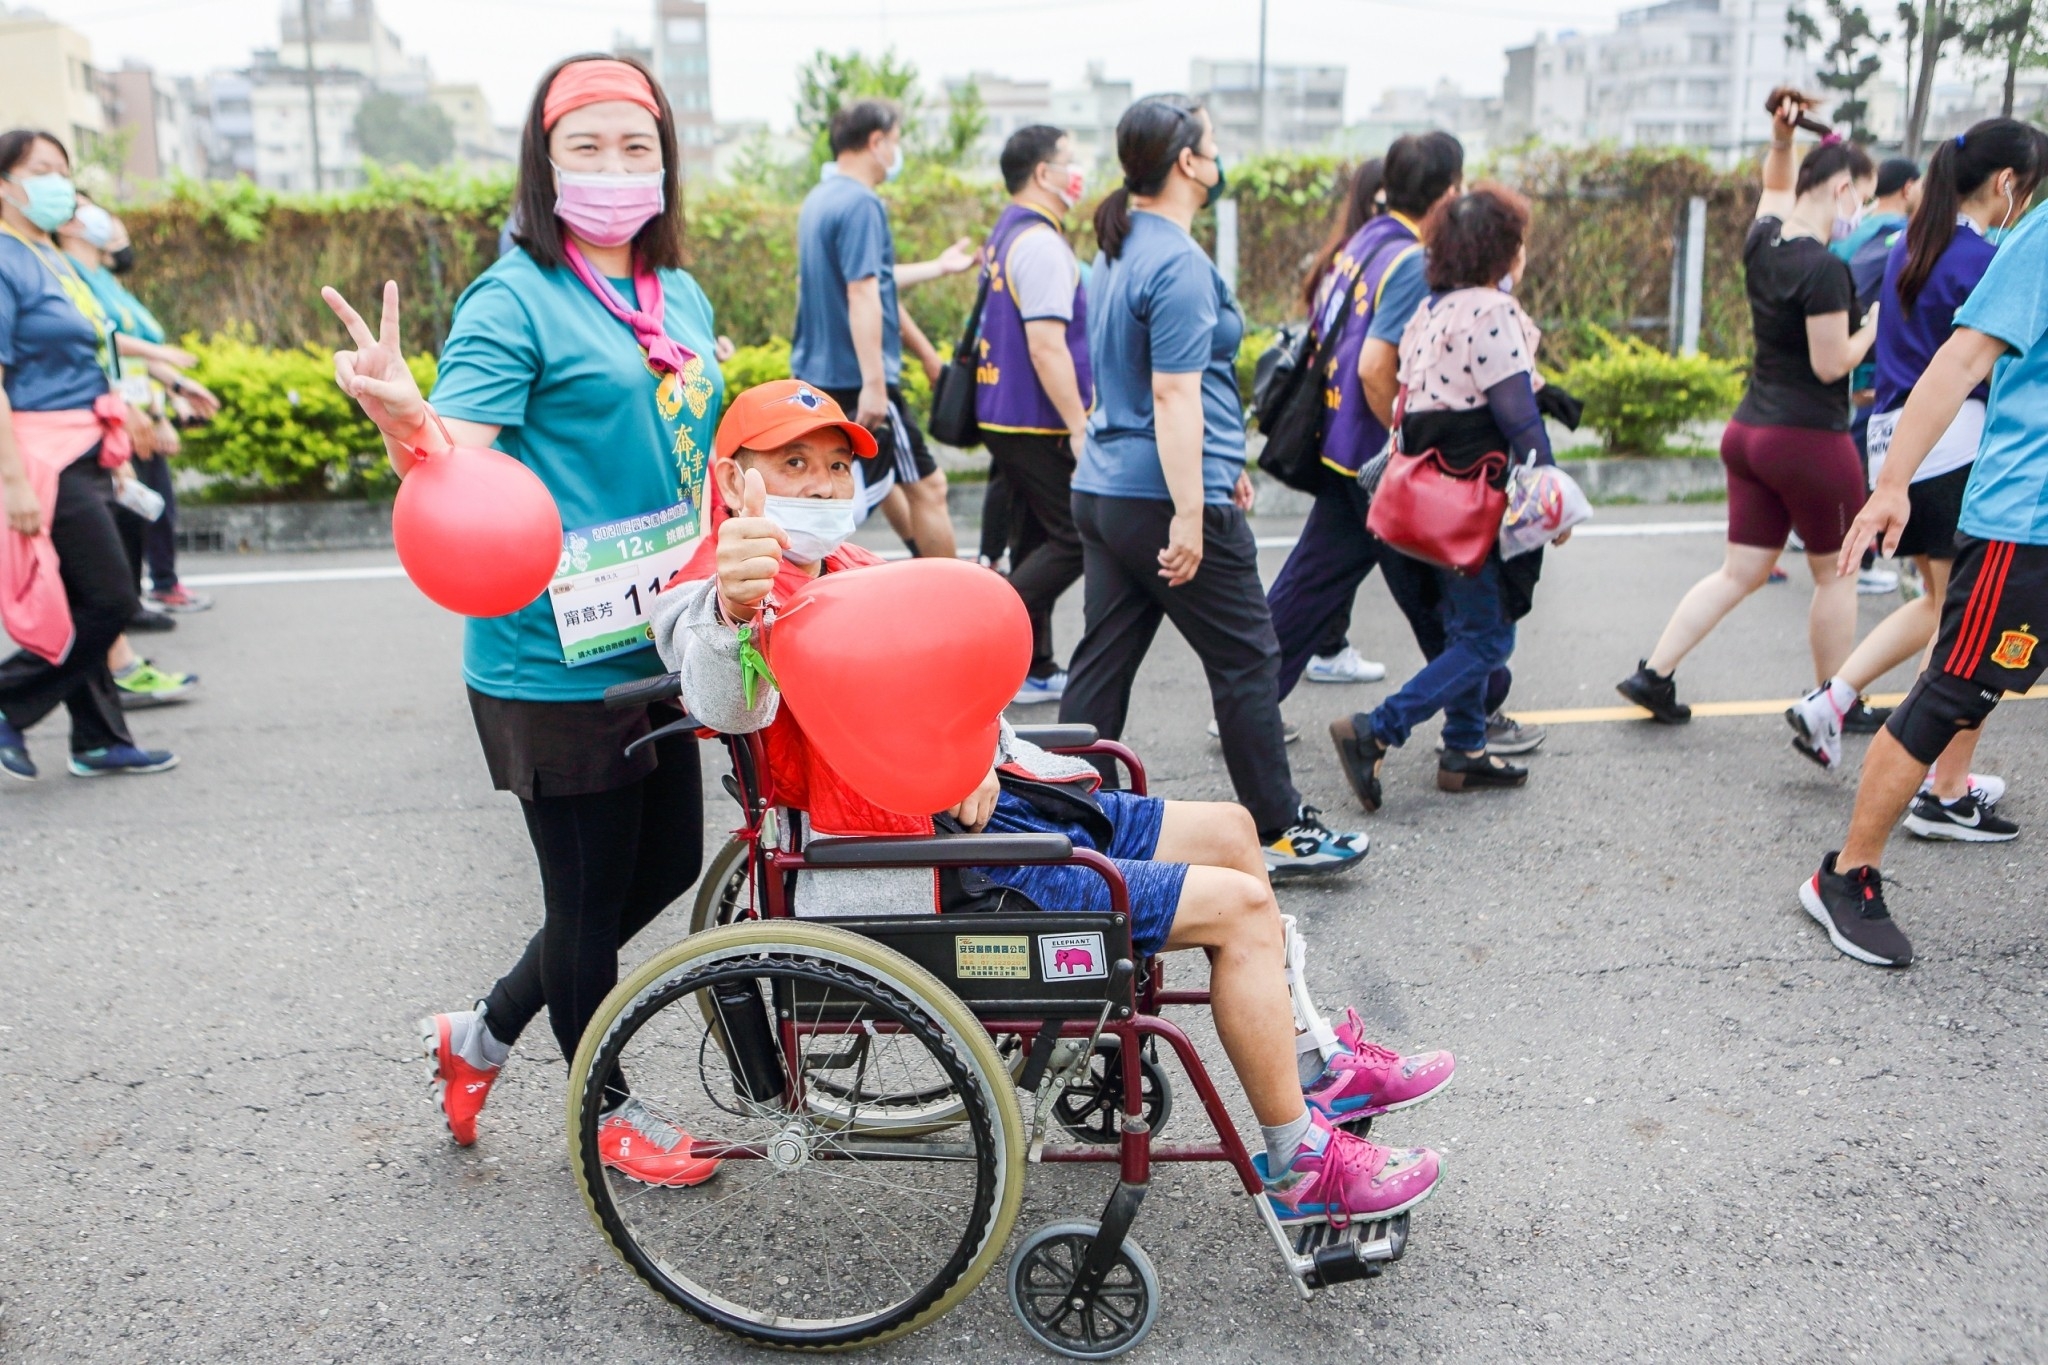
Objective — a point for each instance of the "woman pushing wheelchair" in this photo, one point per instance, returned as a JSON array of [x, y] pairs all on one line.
[[783, 505]]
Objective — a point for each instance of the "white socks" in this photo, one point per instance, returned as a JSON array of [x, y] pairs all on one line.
[[1840, 693], [1284, 1143], [470, 1040]]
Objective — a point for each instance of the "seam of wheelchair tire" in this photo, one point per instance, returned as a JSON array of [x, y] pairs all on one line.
[[911, 981]]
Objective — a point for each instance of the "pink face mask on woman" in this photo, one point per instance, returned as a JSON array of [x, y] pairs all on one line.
[[607, 209]]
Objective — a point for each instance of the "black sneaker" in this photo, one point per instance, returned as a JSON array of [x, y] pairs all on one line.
[[1850, 906], [151, 620], [1965, 820], [1309, 846], [1360, 755], [1865, 719], [1458, 772], [1656, 694]]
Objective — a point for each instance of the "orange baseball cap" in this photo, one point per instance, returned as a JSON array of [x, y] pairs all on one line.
[[776, 413]]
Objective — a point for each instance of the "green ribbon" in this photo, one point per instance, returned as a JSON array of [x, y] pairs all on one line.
[[754, 668]]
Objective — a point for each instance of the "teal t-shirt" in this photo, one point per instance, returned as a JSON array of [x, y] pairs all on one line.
[[532, 351], [2007, 497], [123, 307]]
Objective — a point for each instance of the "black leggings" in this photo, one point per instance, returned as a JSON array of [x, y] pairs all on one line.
[[609, 863], [95, 575]]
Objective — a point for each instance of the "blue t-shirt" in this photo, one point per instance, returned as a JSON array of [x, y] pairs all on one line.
[[1160, 306], [2008, 494], [842, 236], [1406, 287], [1907, 339], [51, 349], [534, 352]]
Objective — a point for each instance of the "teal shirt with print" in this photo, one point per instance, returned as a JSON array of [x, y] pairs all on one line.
[[533, 352], [124, 308]]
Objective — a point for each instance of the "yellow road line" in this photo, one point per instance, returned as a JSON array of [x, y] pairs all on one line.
[[1594, 715]]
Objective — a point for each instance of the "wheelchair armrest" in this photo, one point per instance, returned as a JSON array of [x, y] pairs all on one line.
[[1057, 736], [644, 691], [940, 850]]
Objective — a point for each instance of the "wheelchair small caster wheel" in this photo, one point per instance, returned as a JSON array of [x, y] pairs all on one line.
[[1118, 1317], [1088, 1108]]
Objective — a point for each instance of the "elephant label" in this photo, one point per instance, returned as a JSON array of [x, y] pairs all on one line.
[[1072, 957]]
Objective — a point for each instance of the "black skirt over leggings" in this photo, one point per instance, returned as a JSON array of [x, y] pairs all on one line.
[[611, 860]]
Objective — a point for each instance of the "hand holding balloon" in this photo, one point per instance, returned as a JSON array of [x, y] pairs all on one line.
[[750, 547]]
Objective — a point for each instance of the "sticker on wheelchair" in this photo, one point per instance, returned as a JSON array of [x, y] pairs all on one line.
[[992, 957], [609, 576], [1072, 957]]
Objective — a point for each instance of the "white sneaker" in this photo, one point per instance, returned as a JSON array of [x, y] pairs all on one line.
[[1876, 582], [1288, 730], [1036, 690], [1345, 666], [1988, 790], [1817, 727]]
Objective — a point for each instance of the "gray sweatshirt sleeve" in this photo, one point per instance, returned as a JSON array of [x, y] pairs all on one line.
[[694, 641]]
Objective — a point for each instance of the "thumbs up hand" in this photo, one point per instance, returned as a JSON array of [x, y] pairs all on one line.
[[750, 547]]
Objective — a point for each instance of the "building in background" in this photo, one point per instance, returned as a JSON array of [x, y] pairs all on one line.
[[480, 145], [1684, 73], [682, 63], [281, 127], [1304, 105], [1473, 119], [348, 36], [1006, 104], [47, 79], [156, 121], [1089, 112]]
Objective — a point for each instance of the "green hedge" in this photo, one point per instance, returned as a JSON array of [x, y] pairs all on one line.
[[1637, 396]]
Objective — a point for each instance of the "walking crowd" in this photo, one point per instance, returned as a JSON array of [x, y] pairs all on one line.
[[1899, 351]]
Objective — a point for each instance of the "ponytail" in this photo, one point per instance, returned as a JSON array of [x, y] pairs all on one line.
[[1149, 140], [1113, 222], [1960, 167]]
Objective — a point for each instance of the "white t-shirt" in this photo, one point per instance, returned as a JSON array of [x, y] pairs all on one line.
[[1956, 448], [1043, 275]]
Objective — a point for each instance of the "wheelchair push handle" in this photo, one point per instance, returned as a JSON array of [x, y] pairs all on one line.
[[644, 692]]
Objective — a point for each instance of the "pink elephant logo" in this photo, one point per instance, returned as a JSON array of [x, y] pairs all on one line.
[[1067, 961]]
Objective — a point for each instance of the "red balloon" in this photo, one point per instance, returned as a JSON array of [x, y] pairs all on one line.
[[899, 673], [476, 530]]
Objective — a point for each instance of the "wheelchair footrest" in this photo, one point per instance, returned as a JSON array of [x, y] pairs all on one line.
[[1355, 1251]]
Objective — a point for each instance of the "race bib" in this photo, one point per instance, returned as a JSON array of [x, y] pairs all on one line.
[[605, 586], [1882, 425]]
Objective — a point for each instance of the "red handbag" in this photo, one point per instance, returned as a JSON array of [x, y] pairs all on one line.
[[1429, 512]]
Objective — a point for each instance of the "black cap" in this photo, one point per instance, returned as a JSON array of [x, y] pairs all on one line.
[[1895, 174]]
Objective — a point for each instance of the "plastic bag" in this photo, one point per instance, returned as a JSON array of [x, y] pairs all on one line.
[[1543, 502]]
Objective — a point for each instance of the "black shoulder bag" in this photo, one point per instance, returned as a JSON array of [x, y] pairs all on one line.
[[1289, 400], [953, 418]]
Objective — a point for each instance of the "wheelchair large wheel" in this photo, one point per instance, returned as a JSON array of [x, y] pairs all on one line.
[[1042, 1275], [816, 1232], [723, 891]]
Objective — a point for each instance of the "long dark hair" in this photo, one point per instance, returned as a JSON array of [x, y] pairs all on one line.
[[658, 245], [1149, 140], [15, 143], [1958, 170], [1361, 205]]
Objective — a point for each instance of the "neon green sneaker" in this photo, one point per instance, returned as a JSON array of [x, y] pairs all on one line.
[[143, 684]]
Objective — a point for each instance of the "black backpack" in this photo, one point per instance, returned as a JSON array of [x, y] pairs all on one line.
[[1287, 398]]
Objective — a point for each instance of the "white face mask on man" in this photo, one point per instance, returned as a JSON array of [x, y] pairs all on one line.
[[815, 526]]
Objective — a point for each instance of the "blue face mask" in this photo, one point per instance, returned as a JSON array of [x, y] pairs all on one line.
[[52, 200], [895, 167]]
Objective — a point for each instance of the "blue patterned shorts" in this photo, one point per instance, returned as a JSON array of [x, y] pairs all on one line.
[[1134, 833]]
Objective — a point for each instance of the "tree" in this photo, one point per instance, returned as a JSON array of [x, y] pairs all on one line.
[[966, 121], [393, 130], [2014, 32], [1934, 28], [827, 83], [1852, 58]]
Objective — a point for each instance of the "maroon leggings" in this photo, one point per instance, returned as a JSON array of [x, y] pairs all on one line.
[[1790, 478]]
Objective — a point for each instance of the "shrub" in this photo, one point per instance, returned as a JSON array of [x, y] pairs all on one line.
[[751, 365], [285, 430], [1637, 395], [1257, 341]]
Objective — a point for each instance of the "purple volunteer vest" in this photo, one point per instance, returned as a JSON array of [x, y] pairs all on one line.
[[1351, 434], [1008, 396]]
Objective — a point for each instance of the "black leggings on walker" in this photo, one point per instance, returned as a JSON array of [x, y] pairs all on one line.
[[609, 863]]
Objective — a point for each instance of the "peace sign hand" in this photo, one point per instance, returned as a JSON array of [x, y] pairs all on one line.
[[375, 373]]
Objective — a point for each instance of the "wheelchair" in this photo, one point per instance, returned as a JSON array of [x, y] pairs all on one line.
[[859, 1079]]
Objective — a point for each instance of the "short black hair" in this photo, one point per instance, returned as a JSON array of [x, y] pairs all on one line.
[[1028, 148], [1895, 174], [853, 125], [16, 143], [1418, 168]]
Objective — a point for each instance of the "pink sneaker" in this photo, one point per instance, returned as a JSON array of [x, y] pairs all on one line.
[[1352, 1178], [1371, 1080]]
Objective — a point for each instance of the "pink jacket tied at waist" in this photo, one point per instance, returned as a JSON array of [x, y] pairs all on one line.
[[33, 607]]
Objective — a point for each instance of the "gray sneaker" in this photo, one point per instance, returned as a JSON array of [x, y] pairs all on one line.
[[1506, 736]]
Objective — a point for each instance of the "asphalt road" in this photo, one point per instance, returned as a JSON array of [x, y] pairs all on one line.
[[1683, 1127]]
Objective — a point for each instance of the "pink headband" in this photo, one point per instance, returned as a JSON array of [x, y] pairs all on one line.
[[595, 82]]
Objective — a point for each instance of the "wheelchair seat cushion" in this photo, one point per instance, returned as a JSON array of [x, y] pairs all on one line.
[[1133, 822]]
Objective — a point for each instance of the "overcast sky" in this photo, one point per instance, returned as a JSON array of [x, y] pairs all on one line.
[[757, 45]]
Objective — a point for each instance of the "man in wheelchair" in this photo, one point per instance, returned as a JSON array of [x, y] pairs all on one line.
[[783, 505]]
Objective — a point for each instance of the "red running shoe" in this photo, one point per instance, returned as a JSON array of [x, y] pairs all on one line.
[[459, 1088], [641, 1145]]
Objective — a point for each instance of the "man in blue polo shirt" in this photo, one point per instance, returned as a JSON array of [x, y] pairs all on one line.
[[850, 328], [1997, 606]]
